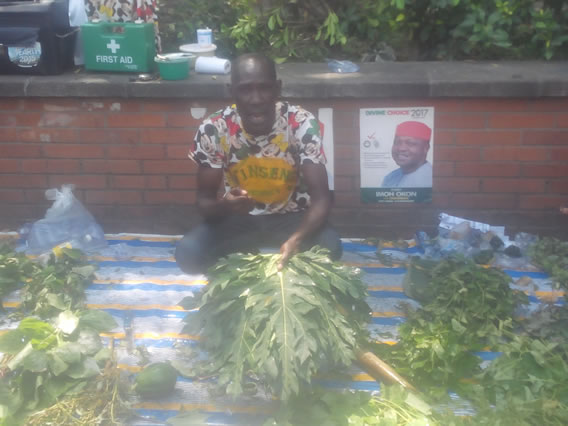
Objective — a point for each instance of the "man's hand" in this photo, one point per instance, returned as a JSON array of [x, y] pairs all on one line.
[[238, 201], [290, 247]]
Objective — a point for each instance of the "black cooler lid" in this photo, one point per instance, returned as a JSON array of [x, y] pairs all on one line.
[[18, 36], [48, 14]]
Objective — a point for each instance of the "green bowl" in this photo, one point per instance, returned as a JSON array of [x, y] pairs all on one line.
[[173, 66]]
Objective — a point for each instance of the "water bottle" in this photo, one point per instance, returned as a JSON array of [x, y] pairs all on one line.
[[342, 66]]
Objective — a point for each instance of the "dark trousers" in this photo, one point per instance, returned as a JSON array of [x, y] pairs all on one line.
[[213, 239]]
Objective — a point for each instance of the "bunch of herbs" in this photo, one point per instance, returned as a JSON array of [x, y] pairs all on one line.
[[551, 254]]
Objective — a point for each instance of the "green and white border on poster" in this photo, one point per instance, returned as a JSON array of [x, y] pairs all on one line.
[[397, 154]]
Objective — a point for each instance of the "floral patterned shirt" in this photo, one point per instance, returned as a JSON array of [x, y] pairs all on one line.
[[268, 166]]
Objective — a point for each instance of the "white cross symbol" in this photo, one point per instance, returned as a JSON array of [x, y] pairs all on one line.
[[113, 46]]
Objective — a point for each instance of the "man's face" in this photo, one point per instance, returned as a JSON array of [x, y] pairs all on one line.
[[409, 153], [255, 92]]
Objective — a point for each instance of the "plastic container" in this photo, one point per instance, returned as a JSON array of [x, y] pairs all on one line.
[[204, 36], [342, 66], [198, 50], [173, 66]]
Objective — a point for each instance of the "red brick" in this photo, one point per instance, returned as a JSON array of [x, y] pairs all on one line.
[[558, 154], [487, 137], [544, 170], [347, 152], [549, 104], [11, 104], [446, 105], [123, 105], [34, 166], [440, 201], [50, 166], [63, 166], [19, 151], [563, 120], [23, 181], [51, 104], [496, 105], [350, 199], [135, 152], [8, 120], [73, 151], [459, 121], [110, 136], [70, 120], [36, 196], [442, 137], [155, 182], [483, 201], [441, 169], [343, 183], [128, 182], [345, 136], [450, 153], [168, 136], [182, 120], [169, 197], [558, 186], [541, 202], [347, 167], [487, 169], [9, 134], [134, 120], [517, 153], [171, 105], [11, 196], [455, 184], [167, 167], [522, 121], [546, 137], [112, 166], [177, 151], [43, 135], [80, 181], [346, 120], [513, 185], [182, 182], [113, 197], [9, 166]]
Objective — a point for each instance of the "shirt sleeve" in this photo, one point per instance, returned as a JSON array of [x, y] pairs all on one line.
[[206, 148], [309, 137]]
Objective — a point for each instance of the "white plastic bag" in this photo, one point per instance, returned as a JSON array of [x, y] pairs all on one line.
[[66, 221]]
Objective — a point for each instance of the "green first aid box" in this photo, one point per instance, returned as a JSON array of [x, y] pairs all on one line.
[[119, 46]]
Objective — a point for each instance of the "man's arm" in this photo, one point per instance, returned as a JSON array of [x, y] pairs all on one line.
[[315, 177], [236, 201]]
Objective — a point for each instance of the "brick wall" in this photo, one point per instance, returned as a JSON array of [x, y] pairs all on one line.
[[499, 161]]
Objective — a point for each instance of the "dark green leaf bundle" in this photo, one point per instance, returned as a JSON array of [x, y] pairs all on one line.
[[281, 326]]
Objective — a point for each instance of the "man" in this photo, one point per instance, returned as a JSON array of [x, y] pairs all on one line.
[[409, 151], [269, 156]]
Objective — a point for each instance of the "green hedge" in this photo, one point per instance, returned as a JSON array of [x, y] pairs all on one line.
[[312, 30]]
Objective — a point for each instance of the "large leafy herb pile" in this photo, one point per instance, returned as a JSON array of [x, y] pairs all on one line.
[[55, 369], [468, 309], [551, 255], [282, 327]]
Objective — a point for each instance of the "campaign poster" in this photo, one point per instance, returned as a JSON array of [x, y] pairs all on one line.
[[397, 153]]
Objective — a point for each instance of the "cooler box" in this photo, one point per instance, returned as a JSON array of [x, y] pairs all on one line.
[[35, 37], [119, 46]]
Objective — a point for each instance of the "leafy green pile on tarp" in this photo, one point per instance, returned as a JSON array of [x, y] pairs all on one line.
[[551, 255], [467, 307], [15, 268], [282, 327]]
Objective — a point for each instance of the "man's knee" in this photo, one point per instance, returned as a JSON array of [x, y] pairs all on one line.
[[329, 238], [192, 251]]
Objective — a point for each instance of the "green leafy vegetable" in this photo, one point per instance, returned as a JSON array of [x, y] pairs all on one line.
[[280, 326]]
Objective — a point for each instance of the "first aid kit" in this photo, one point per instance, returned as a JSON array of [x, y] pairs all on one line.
[[119, 46]]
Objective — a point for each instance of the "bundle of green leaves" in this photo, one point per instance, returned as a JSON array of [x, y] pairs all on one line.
[[551, 255], [283, 326], [15, 268], [59, 285], [45, 361], [469, 308]]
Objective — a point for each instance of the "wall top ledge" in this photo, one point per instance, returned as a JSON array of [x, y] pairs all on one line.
[[313, 81]]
